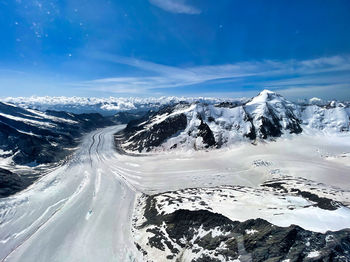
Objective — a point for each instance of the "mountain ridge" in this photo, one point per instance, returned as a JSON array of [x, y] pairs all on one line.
[[264, 117]]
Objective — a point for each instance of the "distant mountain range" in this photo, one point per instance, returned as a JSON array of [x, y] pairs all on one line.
[[30, 138], [104, 106], [200, 125], [113, 105]]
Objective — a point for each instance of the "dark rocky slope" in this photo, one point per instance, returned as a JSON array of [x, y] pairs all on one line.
[[207, 236]]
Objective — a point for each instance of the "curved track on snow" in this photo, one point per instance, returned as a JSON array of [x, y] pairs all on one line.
[[79, 212]]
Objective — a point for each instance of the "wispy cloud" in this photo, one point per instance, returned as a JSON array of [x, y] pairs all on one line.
[[176, 6], [278, 75], [327, 91]]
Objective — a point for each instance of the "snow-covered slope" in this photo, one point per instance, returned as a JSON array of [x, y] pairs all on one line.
[[272, 115], [236, 223], [78, 212], [331, 118], [31, 141], [196, 206], [28, 133], [200, 125]]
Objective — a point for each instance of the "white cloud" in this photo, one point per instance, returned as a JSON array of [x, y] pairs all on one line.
[[102, 105], [176, 6], [324, 71]]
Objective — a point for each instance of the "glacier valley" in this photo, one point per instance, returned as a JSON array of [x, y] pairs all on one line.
[[258, 180]]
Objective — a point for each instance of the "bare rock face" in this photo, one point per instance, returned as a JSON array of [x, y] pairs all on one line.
[[11, 182], [206, 134]]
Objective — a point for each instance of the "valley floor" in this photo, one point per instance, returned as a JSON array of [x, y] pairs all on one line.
[[83, 211], [79, 212]]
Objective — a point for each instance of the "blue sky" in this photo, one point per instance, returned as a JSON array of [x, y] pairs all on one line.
[[225, 48]]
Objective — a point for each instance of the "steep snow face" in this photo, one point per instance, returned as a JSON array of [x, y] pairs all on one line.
[[266, 96], [208, 125], [330, 120], [271, 114], [265, 116]]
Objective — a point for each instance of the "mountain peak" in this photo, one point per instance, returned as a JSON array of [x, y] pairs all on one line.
[[268, 95], [266, 91], [265, 96]]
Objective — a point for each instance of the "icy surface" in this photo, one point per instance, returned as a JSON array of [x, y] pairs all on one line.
[[79, 212], [305, 156], [82, 211]]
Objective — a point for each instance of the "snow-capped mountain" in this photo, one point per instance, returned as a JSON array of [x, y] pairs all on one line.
[[282, 201], [104, 106], [200, 125]]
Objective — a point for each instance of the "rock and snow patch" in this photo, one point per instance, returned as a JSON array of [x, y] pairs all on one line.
[[278, 204], [230, 223], [261, 163]]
